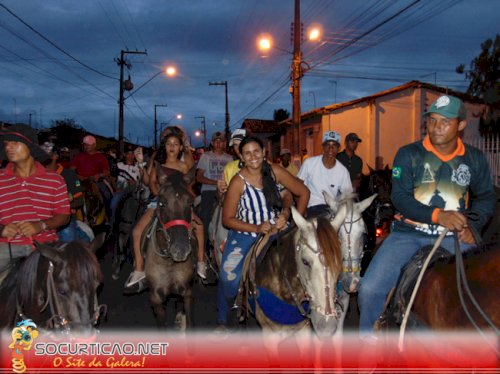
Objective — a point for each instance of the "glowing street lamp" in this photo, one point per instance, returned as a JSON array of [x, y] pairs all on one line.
[[265, 43]]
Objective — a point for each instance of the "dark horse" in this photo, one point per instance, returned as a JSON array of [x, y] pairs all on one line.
[[379, 215], [170, 257], [438, 302], [55, 286], [94, 212], [131, 206]]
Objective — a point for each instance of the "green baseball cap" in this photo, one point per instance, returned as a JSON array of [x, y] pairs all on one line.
[[449, 107]]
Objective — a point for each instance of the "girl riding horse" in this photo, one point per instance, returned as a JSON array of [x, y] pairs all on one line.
[[169, 156], [252, 206]]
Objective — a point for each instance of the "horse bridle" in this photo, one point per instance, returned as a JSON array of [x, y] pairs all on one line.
[[168, 225], [57, 320], [350, 260], [337, 309]]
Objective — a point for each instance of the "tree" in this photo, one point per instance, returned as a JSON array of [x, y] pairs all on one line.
[[484, 77], [66, 133], [281, 115]]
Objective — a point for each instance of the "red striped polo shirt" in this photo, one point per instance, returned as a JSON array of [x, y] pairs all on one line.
[[38, 197]]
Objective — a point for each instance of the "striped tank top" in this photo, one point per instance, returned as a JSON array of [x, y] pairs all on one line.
[[252, 207]]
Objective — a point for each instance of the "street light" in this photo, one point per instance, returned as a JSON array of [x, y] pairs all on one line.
[[298, 71], [166, 123], [197, 133], [169, 71]]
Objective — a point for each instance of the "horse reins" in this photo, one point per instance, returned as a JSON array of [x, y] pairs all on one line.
[[461, 283], [350, 260], [57, 319], [329, 311]]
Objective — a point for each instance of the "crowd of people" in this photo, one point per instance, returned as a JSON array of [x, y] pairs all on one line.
[[41, 194]]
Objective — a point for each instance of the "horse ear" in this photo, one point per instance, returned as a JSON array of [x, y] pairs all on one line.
[[387, 167], [97, 242], [339, 218], [362, 205], [299, 220], [372, 170], [189, 176], [331, 202], [48, 252]]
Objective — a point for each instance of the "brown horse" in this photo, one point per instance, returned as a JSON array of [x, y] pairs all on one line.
[[170, 257], [438, 302]]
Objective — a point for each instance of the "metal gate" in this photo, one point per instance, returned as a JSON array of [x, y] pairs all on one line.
[[491, 148]]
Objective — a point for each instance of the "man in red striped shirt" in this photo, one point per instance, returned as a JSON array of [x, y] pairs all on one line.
[[33, 201]]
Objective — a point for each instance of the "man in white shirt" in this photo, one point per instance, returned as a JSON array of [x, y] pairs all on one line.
[[324, 173]]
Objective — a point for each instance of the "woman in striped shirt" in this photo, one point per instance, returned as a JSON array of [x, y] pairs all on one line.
[[252, 206]]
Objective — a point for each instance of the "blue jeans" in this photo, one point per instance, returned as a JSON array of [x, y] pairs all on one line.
[[235, 251], [115, 200], [383, 272], [72, 232]]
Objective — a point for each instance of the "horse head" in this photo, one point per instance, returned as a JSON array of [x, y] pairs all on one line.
[[60, 281], [351, 231], [93, 203], [319, 264], [174, 214]]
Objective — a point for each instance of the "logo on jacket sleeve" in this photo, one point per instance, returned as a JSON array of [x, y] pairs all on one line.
[[396, 172], [461, 175]]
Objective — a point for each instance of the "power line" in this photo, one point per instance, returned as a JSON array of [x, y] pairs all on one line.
[[54, 45]]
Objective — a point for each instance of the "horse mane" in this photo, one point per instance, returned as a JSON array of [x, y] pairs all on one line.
[[329, 242], [80, 262]]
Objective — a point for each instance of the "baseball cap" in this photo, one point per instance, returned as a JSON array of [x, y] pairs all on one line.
[[285, 151], [353, 136], [331, 136], [449, 107], [237, 134], [89, 140], [218, 135], [129, 148], [64, 149]]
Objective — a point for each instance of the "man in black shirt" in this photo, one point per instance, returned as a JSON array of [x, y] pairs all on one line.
[[351, 160]]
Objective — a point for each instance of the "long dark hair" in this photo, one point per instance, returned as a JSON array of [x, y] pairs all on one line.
[[270, 189], [161, 156]]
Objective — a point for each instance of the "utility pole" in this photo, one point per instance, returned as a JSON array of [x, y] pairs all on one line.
[[156, 125], [204, 130], [228, 134], [121, 62], [296, 76]]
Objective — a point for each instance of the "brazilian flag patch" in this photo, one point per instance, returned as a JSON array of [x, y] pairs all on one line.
[[396, 172]]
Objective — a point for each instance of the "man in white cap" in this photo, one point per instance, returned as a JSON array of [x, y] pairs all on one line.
[[33, 201], [209, 170], [232, 168], [324, 173]]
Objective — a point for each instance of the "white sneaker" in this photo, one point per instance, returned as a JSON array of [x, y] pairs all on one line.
[[201, 269], [135, 277]]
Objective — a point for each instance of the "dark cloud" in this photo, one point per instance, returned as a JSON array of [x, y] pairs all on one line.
[[215, 40]]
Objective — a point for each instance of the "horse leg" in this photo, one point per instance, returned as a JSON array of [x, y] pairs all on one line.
[[344, 302], [188, 308], [159, 309]]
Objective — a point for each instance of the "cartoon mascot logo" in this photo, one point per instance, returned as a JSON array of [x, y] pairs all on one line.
[[23, 336]]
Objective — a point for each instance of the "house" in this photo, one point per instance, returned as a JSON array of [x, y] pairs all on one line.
[[384, 121], [269, 131]]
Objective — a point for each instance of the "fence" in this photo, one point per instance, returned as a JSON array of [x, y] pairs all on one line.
[[491, 148]]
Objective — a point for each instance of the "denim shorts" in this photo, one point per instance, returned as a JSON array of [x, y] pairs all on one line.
[[153, 204]]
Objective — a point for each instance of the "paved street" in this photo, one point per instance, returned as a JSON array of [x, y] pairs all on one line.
[[134, 312]]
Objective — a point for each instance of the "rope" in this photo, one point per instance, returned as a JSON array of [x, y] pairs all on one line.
[[417, 285]]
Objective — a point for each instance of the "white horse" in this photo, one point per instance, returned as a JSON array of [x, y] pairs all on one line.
[[351, 234]]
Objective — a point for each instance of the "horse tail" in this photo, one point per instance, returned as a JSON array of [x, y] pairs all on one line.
[[329, 242]]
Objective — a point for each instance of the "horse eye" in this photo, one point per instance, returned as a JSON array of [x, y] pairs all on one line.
[[305, 262], [62, 292]]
